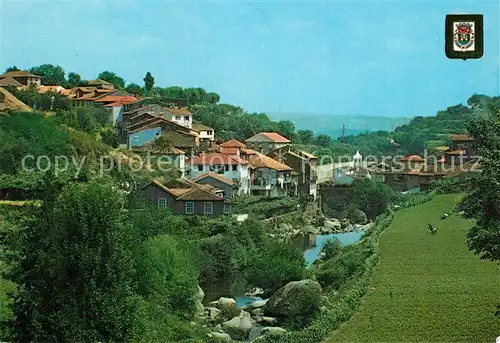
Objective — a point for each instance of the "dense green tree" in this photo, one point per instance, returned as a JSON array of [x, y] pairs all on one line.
[[134, 88], [323, 140], [212, 98], [149, 82], [286, 128], [109, 137], [78, 283], [74, 80], [51, 74], [111, 77], [12, 68], [483, 202], [305, 136]]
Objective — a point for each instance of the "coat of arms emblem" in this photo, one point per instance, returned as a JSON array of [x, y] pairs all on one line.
[[463, 36]]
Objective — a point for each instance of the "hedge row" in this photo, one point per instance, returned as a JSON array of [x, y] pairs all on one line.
[[344, 304]]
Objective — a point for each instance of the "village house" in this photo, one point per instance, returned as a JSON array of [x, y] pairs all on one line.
[[304, 164], [146, 127], [231, 167], [23, 78], [172, 156], [218, 181], [101, 84], [271, 178], [179, 115], [265, 142], [232, 148], [186, 198], [206, 133], [461, 151], [114, 103], [85, 96]]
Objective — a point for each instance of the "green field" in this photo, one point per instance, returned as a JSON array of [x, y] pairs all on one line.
[[427, 288]]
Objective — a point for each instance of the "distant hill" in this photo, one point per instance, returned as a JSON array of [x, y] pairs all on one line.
[[332, 124]]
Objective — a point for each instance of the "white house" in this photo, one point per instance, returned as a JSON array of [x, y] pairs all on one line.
[[181, 116], [271, 178], [206, 133], [231, 167]]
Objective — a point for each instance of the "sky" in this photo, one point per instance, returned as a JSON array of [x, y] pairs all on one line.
[[337, 57]]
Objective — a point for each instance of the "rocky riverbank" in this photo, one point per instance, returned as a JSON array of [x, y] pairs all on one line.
[[297, 299]]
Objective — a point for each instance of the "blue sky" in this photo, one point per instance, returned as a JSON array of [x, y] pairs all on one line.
[[350, 57]]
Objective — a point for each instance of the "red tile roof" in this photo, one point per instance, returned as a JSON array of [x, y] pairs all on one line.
[[268, 136], [117, 98], [229, 151], [461, 138], [413, 158], [219, 177], [263, 161], [193, 193], [233, 143], [216, 159]]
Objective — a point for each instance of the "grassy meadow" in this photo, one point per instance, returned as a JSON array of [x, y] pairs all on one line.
[[427, 288]]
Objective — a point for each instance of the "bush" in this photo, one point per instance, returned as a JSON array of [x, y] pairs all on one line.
[[275, 266]]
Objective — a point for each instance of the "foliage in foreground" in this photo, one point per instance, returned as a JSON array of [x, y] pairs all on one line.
[[86, 275], [483, 202]]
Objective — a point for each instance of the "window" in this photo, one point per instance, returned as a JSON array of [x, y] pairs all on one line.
[[208, 207], [200, 167], [209, 132], [227, 208], [235, 167], [162, 202], [189, 207], [187, 118], [177, 117], [227, 167]]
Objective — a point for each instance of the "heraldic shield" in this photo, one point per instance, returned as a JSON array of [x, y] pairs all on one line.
[[464, 36]]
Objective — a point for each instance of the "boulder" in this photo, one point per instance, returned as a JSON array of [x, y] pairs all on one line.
[[273, 330], [359, 217], [239, 327], [219, 337], [269, 320], [295, 299], [259, 303], [212, 312], [333, 224], [258, 312], [199, 295], [226, 302]]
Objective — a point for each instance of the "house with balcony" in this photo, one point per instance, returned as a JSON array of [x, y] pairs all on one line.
[[271, 178], [185, 198], [304, 164], [231, 167], [265, 142]]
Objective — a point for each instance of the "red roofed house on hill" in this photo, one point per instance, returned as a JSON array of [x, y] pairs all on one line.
[[462, 150], [23, 77], [231, 167], [271, 178], [232, 147], [264, 142]]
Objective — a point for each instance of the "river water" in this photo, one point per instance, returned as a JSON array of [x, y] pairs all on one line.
[[311, 244]]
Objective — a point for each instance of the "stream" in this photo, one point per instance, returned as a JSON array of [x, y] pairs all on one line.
[[311, 244]]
